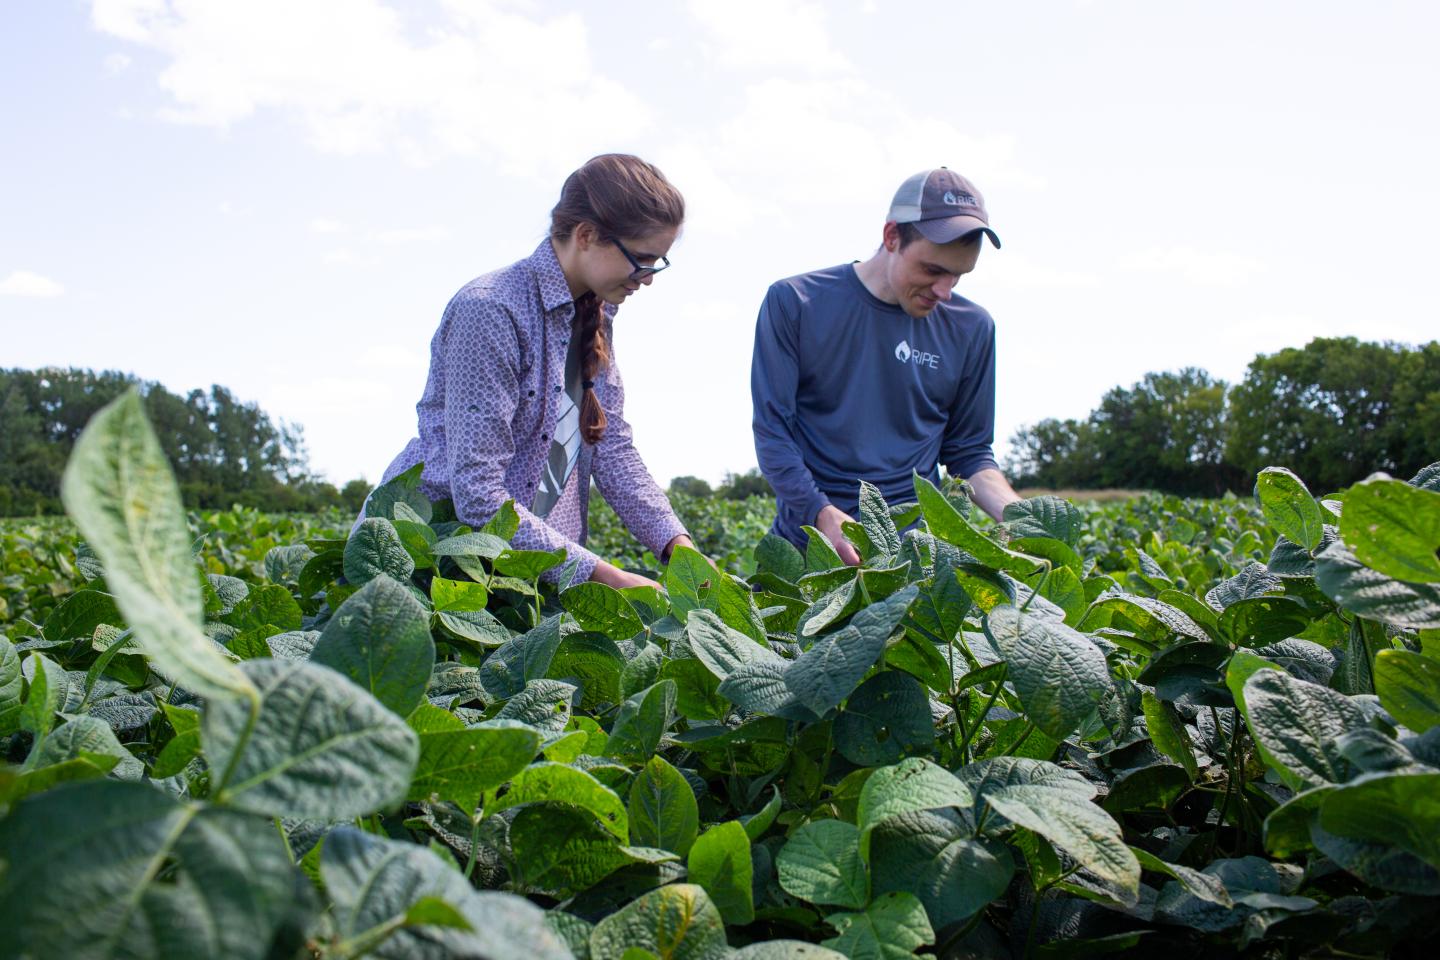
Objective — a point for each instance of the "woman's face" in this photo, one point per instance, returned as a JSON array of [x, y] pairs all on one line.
[[608, 271]]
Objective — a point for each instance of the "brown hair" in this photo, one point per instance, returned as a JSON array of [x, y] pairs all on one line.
[[622, 196], [909, 233]]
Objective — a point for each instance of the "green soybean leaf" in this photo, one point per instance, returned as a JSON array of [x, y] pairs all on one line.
[[785, 950], [947, 523], [774, 554], [1167, 732], [593, 662], [719, 861], [463, 596], [642, 721], [1076, 826], [378, 884], [876, 521], [375, 548], [662, 808], [79, 614], [1296, 724], [1371, 594], [827, 672], [528, 564], [675, 922], [1409, 688], [942, 605], [48, 686], [821, 863], [933, 855], [602, 609], [183, 747], [1288, 506], [560, 850], [893, 927], [544, 704], [460, 765], [1394, 529], [558, 783], [1058, 672], [887, 719], [721, 648], [11, 684], [757, 824], [913, 784], [479, 544], [1045, 516], [266, 605], [521, 659], [226, 886], [1395, 809], [123, 497], [87, 738], [317, 746], [820, 553], [380, 639]]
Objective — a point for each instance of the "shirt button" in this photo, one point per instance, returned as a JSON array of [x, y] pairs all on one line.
[[544, 436], [532, 393], [558, 388]]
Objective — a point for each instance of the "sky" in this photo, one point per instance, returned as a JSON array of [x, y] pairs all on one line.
[[280, 196]]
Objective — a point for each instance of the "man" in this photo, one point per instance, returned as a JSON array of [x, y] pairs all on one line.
[[869, 371]]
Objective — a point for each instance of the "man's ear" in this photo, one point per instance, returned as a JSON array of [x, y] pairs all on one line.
[[890, 237]]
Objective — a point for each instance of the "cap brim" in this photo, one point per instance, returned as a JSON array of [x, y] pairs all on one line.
[[951, 229]]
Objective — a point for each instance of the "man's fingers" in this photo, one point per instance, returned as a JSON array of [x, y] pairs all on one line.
[[848, 553]]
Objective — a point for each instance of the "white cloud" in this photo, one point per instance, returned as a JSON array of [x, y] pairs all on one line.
[[1011, 270], [485, 81], [771, 34], [402, 235], [116, 63], [326, 225], [23, 283], [1208, 268]]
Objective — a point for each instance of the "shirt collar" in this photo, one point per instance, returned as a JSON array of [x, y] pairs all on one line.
[[554, 291]]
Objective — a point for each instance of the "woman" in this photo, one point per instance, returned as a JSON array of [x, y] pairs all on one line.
[[524, 400]]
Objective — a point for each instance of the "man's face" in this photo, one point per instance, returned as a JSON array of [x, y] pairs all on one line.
[[924, 273]]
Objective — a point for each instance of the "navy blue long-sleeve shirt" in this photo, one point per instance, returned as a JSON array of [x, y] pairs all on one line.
[[847, 388]]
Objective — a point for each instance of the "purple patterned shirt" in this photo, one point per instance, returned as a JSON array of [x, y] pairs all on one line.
[[487, 416]]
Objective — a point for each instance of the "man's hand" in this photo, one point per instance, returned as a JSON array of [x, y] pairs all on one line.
[[828, 523], [993, 492], [613, 576]]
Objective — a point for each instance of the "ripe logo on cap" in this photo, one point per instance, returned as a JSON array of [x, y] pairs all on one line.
[[959, 199]]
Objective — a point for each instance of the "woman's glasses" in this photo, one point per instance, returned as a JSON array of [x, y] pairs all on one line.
[[641, 272]]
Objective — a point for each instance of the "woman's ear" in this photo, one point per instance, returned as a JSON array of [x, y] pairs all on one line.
[[586, 235]]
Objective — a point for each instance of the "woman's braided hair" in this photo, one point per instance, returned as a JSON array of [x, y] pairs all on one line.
[[623, 196]]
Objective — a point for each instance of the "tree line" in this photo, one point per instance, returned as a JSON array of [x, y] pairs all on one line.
[[1334, 411], [224, 450]]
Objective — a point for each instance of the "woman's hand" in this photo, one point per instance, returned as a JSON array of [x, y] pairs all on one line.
[[682, 540], [613, 576]]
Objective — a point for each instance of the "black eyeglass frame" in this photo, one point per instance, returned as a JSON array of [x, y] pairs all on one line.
[[640, 272]]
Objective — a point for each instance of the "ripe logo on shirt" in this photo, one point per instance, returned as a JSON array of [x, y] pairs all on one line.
[[923, 358]]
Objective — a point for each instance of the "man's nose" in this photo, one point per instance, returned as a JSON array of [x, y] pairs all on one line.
[[648, 279], [942, 288]]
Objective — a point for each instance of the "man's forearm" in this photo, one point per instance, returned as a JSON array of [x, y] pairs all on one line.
[[992, 491]]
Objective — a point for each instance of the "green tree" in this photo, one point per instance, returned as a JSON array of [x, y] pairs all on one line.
[[1337, 410]]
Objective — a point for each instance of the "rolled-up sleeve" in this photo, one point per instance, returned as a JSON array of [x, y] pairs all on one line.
[[622, 476], [774, 379], [968, 444], [482, 382]]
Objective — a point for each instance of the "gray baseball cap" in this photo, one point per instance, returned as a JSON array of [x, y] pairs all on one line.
[[943, 205]]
